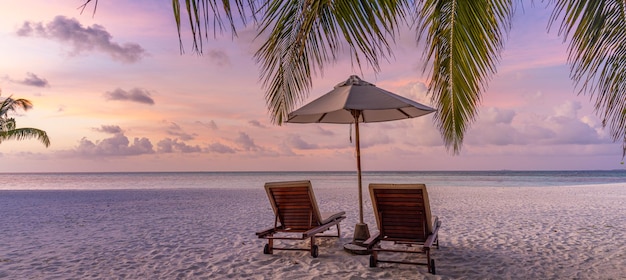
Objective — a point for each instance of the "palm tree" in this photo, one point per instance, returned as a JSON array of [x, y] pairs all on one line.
[[8, 130], [463, 40]]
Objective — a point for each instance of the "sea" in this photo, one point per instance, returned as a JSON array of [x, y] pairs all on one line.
[[320, 179]]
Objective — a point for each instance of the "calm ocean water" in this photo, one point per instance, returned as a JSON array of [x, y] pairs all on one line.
[[243, 180]]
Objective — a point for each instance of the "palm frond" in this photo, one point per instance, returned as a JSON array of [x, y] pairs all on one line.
[[305, 36], [204, 15], [464, 40], [8, 130], [25, 133], [597, 56], [10, 104]]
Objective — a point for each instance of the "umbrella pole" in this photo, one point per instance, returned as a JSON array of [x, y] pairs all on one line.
[[361, 232], [358, 170]]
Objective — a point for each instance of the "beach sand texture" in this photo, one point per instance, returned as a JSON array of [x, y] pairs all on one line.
[[487, 233]]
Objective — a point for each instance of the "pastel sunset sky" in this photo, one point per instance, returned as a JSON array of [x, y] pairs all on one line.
[[114, 93]]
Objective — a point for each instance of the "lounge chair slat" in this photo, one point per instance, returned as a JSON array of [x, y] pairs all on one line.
[[296, 211], [403, 215]]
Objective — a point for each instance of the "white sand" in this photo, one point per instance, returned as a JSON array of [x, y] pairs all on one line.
[[487, 233]]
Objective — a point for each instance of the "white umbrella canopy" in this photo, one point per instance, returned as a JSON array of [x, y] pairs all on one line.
[[352, 102], [373, 103]]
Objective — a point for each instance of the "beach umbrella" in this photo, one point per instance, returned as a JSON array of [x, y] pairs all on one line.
[[352, 102]]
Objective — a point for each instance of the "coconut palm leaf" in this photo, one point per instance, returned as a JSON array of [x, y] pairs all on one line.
[[305, 36], [25, 133], [464, 40], [8, 130], [204, 15], [597, 56], [9, 104]]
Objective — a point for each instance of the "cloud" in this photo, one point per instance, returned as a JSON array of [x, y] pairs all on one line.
[[113, 129], [416, 91], [175, 130], [503, 127], [495, 116], [83, 39], [256, 123], [246, 143], [219, 57], [569, 109], [376, 139], [324, 132], [168, 145], [295, 141], [31, 80], [220, 148], [118, 145], [211, 125], [134, 95], [571, 131]]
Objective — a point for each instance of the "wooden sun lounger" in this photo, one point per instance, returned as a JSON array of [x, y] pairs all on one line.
[[296, 211], [403, 216]]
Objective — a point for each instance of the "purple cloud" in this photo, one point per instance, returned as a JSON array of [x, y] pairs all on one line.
[[211, 125], [134, 95], [118, 145], [175, 130], [83, 39], [113, 129], [256, 123], [295, 141], [500, 127], [168, 145], [220, 149], [32, 80], [325, 132], [246, 142], [219, 57]]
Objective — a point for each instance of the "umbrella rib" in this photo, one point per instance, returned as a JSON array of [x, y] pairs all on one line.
[[405, 114], [322, 117]]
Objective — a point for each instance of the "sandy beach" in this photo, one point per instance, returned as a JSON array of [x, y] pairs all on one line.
[[575, 232]]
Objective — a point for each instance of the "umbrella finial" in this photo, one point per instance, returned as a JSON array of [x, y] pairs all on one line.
[[354, 80]]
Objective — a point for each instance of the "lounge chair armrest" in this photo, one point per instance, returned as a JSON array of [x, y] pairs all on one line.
[[327, 217], [372, 240], [433, 236], [322, 228], [265, 232]]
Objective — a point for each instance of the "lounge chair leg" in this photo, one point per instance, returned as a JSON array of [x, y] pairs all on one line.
[[338, 231], [430, 263], [315, 251], [314, 248], [373, 260], [266, 249], [269, 246]]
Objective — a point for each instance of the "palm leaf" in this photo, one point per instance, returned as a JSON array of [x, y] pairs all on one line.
[[25, 133], [8, 130], [597, 56], [305, 36], [204, 15], [464, 40], [10, 104]]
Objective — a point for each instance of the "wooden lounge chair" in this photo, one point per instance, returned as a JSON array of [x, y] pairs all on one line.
[[296, 211], [403, 216]]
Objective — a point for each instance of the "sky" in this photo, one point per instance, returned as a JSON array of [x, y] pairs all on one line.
[[114, 93]]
